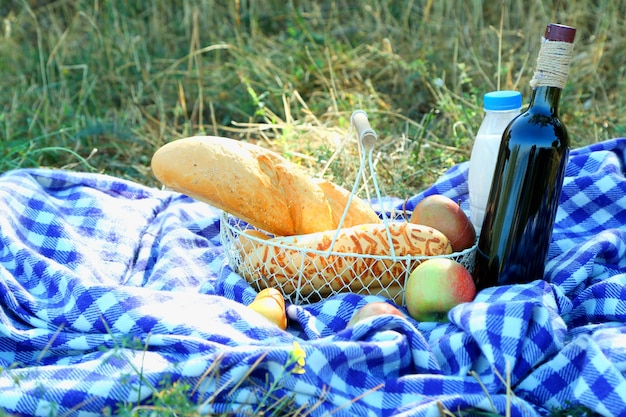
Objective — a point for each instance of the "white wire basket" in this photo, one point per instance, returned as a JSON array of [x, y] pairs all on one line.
[[306, 276], [301, 279]]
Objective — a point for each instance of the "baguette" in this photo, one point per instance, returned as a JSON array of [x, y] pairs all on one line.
[[256, 185], [356, 263]]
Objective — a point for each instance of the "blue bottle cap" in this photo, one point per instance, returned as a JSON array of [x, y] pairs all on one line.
[[502, 100]]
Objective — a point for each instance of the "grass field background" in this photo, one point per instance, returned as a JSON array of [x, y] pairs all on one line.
[[99, 85]]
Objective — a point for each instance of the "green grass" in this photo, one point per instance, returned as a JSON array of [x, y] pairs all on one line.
[[99, 85]]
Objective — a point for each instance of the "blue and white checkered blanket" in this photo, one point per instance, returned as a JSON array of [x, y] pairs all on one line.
[[108, 288]]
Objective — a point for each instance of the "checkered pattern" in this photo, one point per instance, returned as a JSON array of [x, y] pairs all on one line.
[[108, 288]]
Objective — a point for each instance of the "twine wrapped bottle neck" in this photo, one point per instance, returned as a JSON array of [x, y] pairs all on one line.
[[553, 64]]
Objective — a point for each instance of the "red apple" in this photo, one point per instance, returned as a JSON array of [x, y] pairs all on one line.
[[435, 286], [446, 215], [372, 309]]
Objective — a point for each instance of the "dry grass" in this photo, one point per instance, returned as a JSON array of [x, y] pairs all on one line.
[[122, 79]]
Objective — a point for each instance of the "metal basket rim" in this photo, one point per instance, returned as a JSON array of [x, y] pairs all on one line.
[[224, 222]]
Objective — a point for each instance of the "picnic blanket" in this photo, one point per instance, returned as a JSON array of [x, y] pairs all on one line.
[[108, 288]]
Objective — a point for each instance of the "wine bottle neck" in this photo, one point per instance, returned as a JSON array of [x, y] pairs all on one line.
[[545, 99], [553, 64]]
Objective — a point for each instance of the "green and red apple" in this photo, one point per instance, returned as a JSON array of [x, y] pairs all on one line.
[[435, 286], [445, 214]]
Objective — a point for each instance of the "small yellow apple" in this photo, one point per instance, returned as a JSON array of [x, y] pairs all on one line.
[[271, 304]]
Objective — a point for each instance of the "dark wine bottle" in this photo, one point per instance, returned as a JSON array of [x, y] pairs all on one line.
[[529, 173]]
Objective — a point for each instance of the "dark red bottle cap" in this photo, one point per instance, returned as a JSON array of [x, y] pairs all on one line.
[[562, 33]]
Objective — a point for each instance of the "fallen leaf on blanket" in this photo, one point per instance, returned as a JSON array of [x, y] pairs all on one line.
[[372, 309], [435, 286], [297, 359], [270, 303]]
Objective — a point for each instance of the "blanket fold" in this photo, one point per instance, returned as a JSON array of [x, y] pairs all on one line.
[[109, 288]]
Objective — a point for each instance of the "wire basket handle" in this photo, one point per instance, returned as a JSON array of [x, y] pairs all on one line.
[[367, 135], [367, 138]]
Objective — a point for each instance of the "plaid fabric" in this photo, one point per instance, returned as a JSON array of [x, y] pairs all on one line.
[[109, 288]]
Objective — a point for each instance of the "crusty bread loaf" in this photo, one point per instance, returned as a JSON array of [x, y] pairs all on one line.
[[305, 264], [257, 185], [338, 197]]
